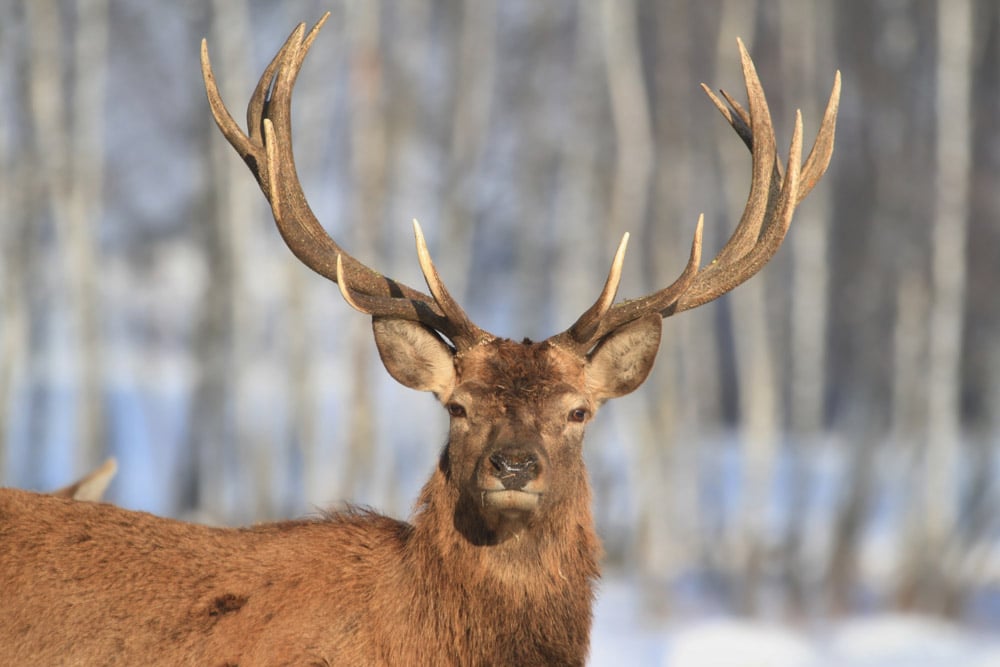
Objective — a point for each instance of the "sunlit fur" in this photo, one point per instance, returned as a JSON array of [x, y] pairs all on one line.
[[453, 586]]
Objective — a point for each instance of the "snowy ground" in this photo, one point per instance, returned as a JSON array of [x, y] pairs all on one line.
[[623, 637]]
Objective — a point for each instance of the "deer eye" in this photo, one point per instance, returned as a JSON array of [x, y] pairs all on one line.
[[579, 415], [455, 410]]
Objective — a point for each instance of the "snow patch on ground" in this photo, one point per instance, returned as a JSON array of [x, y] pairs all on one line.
[[624, 636], [737, 643]]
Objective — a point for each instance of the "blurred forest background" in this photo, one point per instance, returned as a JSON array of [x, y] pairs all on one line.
[[822, 441]]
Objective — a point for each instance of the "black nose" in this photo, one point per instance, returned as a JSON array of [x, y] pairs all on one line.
[[514, 469]]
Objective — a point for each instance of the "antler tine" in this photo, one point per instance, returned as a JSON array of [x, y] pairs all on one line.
[[391, 307], [267, 150], [588, 330], [585, 327], [467, 332], [455, 324], [764, 154], [737, 116], [822, 150], [775, 191], [256, 107]]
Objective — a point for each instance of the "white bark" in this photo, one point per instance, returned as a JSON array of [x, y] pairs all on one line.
[[802, 64], [235, 439], [70, 152], [629, 202], [756, 376], [368, 162], [84, 216], [948, 268]]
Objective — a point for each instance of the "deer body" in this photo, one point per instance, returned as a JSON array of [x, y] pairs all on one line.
[[350, 589], [498, 564]]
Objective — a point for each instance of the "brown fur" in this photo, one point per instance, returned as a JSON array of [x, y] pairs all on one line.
[[94, 584], [461, 584]]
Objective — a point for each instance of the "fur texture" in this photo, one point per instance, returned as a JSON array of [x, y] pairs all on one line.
[[481, 575]]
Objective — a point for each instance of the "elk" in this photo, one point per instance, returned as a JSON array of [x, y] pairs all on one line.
[[498, 562]]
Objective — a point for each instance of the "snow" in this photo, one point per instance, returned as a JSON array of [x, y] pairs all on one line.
[[623, 635], [737, 643], [897, 640]]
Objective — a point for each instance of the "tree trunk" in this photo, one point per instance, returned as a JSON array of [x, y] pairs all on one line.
[[948, 248]]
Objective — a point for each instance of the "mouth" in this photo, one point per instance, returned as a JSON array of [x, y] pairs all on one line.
[[510, 501]]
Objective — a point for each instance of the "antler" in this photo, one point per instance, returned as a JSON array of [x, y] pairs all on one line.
[[267, 150], [774, 193]]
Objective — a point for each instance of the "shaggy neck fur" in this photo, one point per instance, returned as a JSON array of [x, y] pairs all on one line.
[[546, 571]]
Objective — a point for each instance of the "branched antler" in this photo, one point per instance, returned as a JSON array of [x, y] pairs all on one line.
[[775, 191], [267, 150]]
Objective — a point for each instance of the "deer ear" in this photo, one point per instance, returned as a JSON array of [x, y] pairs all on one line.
[[414, 355], [622, 360]]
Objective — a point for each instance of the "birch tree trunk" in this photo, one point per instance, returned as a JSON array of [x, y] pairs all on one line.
[[755, 372], [657, 555], [14, 257], [213, 463], [471, 114], [686, 373], [576, 198], [70, 155], [806, 58], [84, 215], [948, 248], [252, 429], [973, 552], [368, 171]]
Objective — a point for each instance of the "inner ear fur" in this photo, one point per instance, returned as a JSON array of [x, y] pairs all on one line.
[[415, 355], [622, 360]]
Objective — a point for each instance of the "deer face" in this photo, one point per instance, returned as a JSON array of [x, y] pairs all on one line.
[[518, 411]]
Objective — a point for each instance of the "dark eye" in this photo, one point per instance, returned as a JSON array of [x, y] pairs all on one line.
[[579, 415], [455, 410]]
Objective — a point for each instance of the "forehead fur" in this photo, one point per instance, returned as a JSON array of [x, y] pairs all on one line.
[[521, 370]]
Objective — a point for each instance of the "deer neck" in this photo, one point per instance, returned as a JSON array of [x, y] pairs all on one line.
[[474, 595], [557, 549]]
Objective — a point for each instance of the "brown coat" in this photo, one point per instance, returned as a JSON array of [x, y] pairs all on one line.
[[95, 584]]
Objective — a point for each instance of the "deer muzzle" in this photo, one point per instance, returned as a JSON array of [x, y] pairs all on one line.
[[512, 479]]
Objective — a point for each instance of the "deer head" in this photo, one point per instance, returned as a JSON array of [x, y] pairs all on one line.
[[518, 409]]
